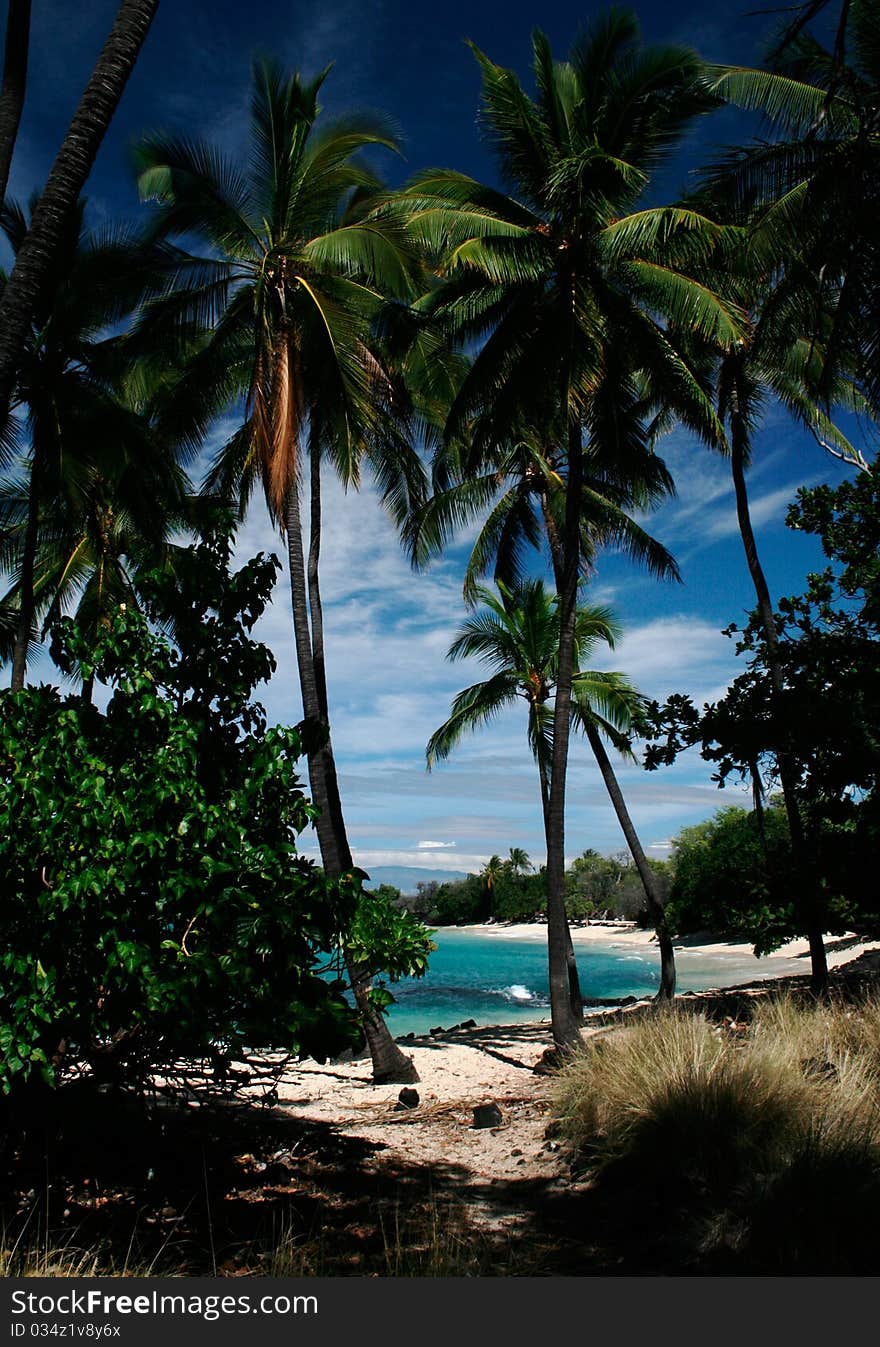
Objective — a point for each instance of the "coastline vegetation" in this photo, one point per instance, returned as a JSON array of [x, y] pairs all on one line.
[[501, 356]]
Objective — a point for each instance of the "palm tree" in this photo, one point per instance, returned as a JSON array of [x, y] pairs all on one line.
[[294, 278], [36, 256], [517, 637], [110, 520], [781, 357], [519, 862], [567, 286], [820, 172], [492, 871], [523, 491], [88, 445]]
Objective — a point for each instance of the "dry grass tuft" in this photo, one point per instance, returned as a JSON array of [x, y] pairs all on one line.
[[757, 1146]]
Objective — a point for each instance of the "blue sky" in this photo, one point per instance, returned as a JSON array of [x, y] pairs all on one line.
[[388, 629]]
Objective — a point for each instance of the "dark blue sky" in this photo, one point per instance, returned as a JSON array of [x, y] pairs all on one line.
[[388, 630], [409, 60]]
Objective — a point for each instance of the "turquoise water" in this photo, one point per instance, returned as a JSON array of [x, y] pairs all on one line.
[[497, 979]]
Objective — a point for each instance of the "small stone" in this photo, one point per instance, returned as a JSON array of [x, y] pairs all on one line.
[[439, 1030], [407, 1099], [468, 1024], [487, 1115], [516, 1151]]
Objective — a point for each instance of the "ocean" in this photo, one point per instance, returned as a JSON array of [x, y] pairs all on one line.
[[498, 979]]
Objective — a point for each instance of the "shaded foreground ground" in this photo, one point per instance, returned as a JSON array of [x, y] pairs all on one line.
[[334, 1179]]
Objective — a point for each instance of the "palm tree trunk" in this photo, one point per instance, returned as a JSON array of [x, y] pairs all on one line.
[[65, 183], [15, 64], [389, 1063], [804, 879], [575, 995], [646, 874], [316, 609], [574, 982], [26, 587], [565, 1026]]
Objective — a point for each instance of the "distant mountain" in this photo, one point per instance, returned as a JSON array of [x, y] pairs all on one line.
[[406, 877]]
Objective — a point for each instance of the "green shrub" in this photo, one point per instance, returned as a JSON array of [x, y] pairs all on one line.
[[152, 899]]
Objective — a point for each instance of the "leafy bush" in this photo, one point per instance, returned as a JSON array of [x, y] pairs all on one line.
[[730, 878], [382, 938], [153, 902]]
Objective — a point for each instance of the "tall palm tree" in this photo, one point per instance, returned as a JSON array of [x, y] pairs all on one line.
[[81, 428], [67, 177], [819, 167], [569, 287], [517, 637], [780, 357], [293, 276]]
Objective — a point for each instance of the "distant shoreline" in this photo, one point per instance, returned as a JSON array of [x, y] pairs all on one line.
[[840, 949]]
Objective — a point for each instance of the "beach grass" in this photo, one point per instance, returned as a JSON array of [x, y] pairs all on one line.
[[734, 1147]]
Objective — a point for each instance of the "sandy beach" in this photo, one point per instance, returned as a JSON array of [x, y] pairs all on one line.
[[627, 934], [462, 1069]]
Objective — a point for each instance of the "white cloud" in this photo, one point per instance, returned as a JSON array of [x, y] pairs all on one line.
[[434, 846]]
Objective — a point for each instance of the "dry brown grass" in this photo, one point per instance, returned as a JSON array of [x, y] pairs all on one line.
[[757, 1146]]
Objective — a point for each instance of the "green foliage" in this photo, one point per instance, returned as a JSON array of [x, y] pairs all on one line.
[[383, 938], [517, 897], [591, 884], [731, 878], [600, 886], [153, 902], [458, 902], [826, 719]]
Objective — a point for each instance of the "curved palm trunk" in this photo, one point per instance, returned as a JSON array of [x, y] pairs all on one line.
[[565, 1025], [66, 181], [646, 874], [389, 1063], [806, 896], [26, 588], [15, 64]]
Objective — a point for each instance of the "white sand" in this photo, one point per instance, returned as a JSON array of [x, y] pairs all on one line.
[[840, 949], [461, 1069]]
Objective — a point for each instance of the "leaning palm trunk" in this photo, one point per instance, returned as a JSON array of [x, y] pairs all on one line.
[[15, 64], [389, 1063], [804, 882], [646, 874], [66, 181], [565, 1025]]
